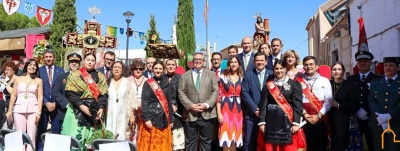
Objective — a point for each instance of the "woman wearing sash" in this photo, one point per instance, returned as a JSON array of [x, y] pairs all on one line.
[[135, 98], [292, 60], [280, 112], [229, 109], [86, 89], [27, 96], [155, 130], [117, 117], [343, 105]]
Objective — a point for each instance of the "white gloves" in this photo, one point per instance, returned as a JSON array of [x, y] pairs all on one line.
[[384, 126], [382, 118], [362, 114]]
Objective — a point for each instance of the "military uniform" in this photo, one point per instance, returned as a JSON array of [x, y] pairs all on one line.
[[384, 99]]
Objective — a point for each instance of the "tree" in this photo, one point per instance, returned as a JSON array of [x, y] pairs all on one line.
[[64, 20], [185, 29], [152, 31], [34, 22], [15, 21]]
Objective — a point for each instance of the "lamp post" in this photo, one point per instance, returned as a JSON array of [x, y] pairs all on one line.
[[128, 15]]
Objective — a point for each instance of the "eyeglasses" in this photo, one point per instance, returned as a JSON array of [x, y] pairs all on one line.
[[107, 59], [198, 59], [139, 69]]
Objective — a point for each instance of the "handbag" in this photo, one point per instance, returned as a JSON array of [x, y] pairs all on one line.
[[85, 120], [101, 133]]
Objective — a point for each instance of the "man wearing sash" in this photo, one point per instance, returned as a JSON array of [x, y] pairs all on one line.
[[280, 112], [155, 130], [86, 90], [317, 91]]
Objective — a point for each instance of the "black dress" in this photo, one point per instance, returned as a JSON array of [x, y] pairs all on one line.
[[339, 119]]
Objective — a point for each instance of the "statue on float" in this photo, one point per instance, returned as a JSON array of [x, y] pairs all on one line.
[[261, 35]]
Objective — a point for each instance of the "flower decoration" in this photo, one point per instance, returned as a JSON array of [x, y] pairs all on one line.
[[39, 49]]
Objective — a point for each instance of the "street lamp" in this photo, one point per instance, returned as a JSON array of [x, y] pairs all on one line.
[[128, 15]]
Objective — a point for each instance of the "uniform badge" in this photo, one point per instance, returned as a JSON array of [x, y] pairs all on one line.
[[155, 86], [90, 81], [271, 85], [286, 86], [64, 81]]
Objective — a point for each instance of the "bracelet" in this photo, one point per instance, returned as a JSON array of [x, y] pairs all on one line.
[[40, 113]]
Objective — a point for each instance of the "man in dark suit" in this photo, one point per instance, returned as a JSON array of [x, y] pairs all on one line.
[[149, 65], [362, 82], [276, 45], [74, 61], [253, 82], [109, 59], [247, 55], [48, 73], [198, 92]]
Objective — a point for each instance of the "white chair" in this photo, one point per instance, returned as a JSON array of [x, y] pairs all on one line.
[[25, 137], [74, 142], [97, 142]]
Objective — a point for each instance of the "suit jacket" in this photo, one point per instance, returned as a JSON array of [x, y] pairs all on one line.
[[251, 91], [47, 95], [385, 98], [208, 93], [250, 65], [362, 89], [101, 69], [270, 64], [60, 95], [340, 118], [146, 74]]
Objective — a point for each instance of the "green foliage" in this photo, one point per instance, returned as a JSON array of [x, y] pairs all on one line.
[[185, 29], [34, 22], [149, 34], [64, 21]]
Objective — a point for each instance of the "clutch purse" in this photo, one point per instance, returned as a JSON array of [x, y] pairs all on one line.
[[85, 120]]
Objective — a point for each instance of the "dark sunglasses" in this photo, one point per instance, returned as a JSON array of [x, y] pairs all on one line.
[[141, 69]]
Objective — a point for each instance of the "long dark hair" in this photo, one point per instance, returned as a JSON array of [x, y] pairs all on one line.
[[123, 70], [228, 69], [25, 71]]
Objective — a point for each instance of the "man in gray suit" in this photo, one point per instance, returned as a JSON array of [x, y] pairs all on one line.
[[198, 91]]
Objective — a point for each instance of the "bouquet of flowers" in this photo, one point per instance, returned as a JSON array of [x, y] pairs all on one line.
[[39, 49]]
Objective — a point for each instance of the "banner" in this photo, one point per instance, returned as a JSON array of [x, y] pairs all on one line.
[[43, 15], [112, 31], [362, 39], [141, 37], [28, 7], [11, 6], [205, 15], [121, 31]]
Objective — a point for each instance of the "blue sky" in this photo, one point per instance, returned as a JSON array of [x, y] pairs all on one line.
[[229, 21]]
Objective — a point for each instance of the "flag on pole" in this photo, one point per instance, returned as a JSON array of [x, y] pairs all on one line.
[[141, 37], [28, 7], [362, 39], [112, 31], [205, 15]]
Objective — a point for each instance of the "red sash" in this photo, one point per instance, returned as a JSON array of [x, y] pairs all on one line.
[[315, 105], [282, 102], [91, 83], [160, 96]]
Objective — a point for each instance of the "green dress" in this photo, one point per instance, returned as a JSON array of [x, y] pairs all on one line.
[[77, 90]]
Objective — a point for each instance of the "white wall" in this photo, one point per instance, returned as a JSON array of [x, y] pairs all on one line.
[[382, 24]]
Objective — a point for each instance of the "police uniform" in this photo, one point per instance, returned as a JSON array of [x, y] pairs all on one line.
[[59, 89], [384, 103], [363, 89]]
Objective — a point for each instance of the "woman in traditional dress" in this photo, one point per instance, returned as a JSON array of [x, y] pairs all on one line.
[[292, 60], [134, 107], [86, 89], [27, 96], [155, 130], [117, 102], [229, 108], [343, 105], [280, 111], [7, 84]]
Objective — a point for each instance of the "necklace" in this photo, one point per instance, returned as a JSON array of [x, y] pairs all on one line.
[[138, 85], [117, 82], [26, 90], [336, 87]]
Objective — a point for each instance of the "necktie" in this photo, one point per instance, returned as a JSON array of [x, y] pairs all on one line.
[[261, 79], [245, 62], [389, 80], [151, 74], [363, 77], [198, 81], [107, 72], [216, 73], [276, 59], [50, 75]]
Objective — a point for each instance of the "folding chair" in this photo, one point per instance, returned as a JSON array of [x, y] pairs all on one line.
[[25, 137], [74, 142], [97, 142]]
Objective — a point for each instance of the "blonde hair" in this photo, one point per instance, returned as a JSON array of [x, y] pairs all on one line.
[[289, 53]]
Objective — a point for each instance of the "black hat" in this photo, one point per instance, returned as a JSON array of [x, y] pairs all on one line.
[[391, 59], [74, 56], [364, 55]]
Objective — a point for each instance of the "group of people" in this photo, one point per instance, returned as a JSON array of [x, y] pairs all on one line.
[[260, 101]]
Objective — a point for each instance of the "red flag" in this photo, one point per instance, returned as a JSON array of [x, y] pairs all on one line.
[[362, 39], [205, 15], [43, 15]]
